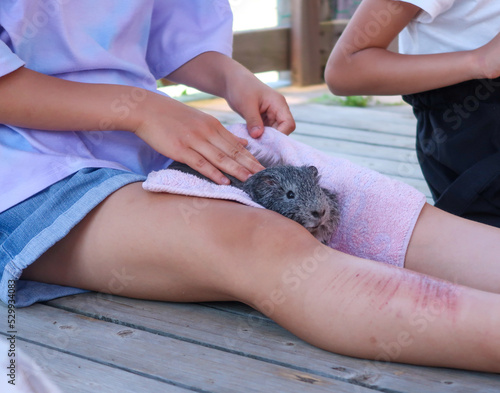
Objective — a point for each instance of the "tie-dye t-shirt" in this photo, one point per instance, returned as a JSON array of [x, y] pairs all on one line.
[[133, 42]]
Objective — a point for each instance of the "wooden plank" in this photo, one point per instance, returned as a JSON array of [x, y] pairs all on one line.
[[73, 374], [356, 148], [263, 50], [305, 64], [375, 119], [161, 356], [367, 137], [380, 121], [240, 329]]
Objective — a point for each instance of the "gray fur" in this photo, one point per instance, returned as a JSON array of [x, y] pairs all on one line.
[[291, 191]]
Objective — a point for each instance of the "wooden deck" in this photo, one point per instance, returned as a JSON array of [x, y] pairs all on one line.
[[100, 343]]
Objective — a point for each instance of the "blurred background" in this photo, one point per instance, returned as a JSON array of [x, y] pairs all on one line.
[[264, 14]]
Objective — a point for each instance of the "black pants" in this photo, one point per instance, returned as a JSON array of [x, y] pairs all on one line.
[[458, 147]]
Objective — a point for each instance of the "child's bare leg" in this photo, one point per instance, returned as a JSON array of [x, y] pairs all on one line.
[[170, 247], [375, 311], [185, 249], [455, 249]]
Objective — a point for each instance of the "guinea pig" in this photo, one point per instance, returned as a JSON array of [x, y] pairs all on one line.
[[292, 191]]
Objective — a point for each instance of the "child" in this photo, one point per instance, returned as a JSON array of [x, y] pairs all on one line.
[[75, 215], [446, 70]]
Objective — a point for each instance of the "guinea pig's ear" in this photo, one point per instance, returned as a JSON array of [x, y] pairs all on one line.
[[269, 180], [313, 170]]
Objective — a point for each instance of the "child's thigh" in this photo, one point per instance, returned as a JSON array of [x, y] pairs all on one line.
[[455, 249], [171, 247]]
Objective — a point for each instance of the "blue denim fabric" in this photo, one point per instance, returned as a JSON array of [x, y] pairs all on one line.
[[31, 227]]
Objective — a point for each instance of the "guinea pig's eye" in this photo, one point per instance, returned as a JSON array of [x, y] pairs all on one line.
[[290, 195]]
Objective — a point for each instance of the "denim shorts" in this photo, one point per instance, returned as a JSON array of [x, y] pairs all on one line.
[[31, 227]]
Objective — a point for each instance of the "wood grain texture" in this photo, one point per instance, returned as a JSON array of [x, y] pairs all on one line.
[[161, 356], [305, 47], [240, 331]]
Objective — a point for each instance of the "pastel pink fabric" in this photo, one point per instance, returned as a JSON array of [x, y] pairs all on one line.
[[378, 214]]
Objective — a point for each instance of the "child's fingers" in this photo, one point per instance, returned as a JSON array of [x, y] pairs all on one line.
[[286, 120], [243, 141], [282, 121], [253, 118], [286, 127], [214, 156], [231, 157], [202, 165], [236, 148], [279, 116]]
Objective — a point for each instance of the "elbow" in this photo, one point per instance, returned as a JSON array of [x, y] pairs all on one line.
[[339, 79], [334, 83]]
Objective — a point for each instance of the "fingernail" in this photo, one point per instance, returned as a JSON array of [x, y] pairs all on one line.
[[225, 180], [255, 130]]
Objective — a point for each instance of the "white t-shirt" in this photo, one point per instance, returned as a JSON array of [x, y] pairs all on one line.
[[97, 41], [450, 26]]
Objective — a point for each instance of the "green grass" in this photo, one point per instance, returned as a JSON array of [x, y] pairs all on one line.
[[328, 99]]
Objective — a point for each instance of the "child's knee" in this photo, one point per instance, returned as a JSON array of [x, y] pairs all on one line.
[[280, 253], [271, 233]]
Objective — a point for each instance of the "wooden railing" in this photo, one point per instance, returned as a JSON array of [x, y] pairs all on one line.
[[303, 48]]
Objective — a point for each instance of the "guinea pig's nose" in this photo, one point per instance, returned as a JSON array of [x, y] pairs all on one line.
[[317, 214]]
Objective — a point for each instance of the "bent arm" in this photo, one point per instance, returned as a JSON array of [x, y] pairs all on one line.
[[212, 72], [34, 100], [222, 76], [361, 64]]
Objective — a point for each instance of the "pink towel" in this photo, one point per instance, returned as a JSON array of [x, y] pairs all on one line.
[[377, 214]]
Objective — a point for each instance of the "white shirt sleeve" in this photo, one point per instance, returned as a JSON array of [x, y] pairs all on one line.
[[8, 60], [182, 30], [430, 8]]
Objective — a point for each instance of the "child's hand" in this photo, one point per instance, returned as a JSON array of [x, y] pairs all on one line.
[[256, 102], [259, 105], [194, 138]]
